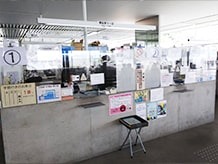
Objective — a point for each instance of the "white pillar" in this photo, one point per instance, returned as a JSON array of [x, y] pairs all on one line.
[[85, 28]]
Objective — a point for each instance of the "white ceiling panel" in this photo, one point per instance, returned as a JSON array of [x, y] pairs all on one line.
[[172, 14]]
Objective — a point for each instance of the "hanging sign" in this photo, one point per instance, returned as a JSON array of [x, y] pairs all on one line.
[[13, 56], [139, 53]]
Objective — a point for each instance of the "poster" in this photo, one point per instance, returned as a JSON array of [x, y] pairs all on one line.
[[48, 93], [18, 94], [152, 111], [141, 110], [161, 109], [156, 94], [140, 78], [166, 78], [120, 103], [141, 96], [12, 75]]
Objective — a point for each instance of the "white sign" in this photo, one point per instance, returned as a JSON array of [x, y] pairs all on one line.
[[156, 94], [166, 78], [75, 77], [141, 110], [48, 93], [97, 78], [13, 56], [41, 59]]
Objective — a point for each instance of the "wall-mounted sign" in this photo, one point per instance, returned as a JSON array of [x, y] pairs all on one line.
[[141, 110], [152, 111], [161, 109], [48, 93], [12, 56], [18, 94], [166, 79], [120, 103], [156, 94], [141, 96]]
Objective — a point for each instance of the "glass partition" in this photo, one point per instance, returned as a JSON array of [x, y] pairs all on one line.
[[128, 68]]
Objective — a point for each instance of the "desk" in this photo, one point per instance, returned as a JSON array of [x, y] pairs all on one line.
[[135, 123]]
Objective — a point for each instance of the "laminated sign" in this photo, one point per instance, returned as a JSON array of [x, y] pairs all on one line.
[[18, 94], [48, 93], [13, 56], [120, 103]]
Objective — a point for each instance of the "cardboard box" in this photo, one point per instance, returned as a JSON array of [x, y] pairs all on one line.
[[77, 45]]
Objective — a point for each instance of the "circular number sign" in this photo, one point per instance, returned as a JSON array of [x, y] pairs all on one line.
[[12, 57]]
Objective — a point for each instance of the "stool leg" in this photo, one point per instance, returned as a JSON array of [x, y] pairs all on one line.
[[137, 132], [125, 139], [130, 145], [140, 140]]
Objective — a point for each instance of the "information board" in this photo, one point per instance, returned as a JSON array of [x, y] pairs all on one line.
[[18, 94], [48, 93]]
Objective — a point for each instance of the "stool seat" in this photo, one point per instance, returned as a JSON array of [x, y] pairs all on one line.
[[135, 123]]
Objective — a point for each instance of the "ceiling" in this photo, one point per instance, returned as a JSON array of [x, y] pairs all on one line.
[[18, 17]]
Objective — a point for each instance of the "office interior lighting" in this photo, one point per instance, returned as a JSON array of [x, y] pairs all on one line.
[[93, 24], [93, 33]]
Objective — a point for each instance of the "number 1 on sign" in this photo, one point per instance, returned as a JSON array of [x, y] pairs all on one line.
[[12, 57]]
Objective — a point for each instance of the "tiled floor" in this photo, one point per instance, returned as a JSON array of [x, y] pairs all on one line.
[[196, 145]]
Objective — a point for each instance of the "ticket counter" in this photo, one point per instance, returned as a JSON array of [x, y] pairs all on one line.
[[64, 131]]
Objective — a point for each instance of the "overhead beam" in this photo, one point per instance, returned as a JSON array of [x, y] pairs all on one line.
[[93, 24]]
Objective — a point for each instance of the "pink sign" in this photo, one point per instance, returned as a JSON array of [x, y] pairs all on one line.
[[120, 103]]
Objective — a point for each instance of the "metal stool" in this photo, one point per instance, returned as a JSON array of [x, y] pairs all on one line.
[[135, 123]]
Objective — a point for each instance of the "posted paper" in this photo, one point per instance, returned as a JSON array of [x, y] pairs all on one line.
[[152, 111], [48, 93], [161, 109], [18, 94], [141, 110], [156, 94], [120, 103]]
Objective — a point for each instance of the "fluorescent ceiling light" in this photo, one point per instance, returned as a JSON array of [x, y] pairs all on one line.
[[93, 24], [93, 33]]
